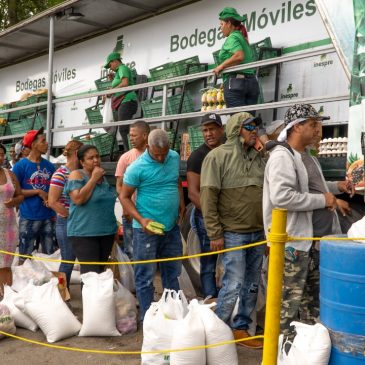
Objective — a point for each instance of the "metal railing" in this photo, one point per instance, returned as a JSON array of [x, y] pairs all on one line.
[[164, 118]]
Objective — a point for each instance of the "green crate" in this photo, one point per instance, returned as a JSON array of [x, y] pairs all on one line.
[[171, 133], [103, 83], [196, 138], [3, 107], [2, 130], [94, 114], [183, 66], [103, 142], [24, 125], [153, 107], [216, 57]]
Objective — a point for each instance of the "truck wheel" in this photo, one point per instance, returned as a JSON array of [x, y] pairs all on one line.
[[191, 246]]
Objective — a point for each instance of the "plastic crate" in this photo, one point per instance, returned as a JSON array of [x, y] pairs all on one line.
[[196, 138], [24, 125], [153, 107], [2, 130], [103, 142], [256, 48], [216, 57], [94, 114], [103, 84], [3, 107], [171, 134], [174, 69]]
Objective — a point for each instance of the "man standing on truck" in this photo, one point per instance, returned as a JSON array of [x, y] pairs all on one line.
[[213, 131], [294, 181], [124, 102], [155, 178], [231, 186], [138, 134], [34, 174]]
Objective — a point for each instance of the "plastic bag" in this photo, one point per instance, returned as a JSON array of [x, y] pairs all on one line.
[[189, 332], [12, 300], [31, 270], [107, 111], [174, 304], [46, 308], [158, 331], [50, 265], [125, 309], [98, 305], [217, 331], [6, 321], [311, 345], [186, 285], [126, 271]]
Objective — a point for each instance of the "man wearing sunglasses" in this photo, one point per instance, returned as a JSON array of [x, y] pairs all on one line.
[[231, 189]]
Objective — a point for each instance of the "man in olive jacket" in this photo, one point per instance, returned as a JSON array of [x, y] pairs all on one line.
[[231, 190]]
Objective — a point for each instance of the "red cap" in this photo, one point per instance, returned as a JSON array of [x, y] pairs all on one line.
[[30, 136]]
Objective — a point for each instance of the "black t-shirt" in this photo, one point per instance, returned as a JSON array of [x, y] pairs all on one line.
[[195, 161]]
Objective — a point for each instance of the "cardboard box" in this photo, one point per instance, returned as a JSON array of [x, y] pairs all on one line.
[[6, 278], [62, 284]]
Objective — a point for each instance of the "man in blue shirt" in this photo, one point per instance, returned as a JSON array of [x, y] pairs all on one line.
[[155, 177], [34, 174]]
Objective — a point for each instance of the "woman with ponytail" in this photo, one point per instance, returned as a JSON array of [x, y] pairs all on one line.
[[240, 87]]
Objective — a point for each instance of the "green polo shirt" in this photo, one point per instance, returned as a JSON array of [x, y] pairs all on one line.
[[124, 72], [235, 42]]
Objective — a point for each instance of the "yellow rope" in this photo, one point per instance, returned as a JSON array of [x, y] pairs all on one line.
[[137, 262], [107, 352]]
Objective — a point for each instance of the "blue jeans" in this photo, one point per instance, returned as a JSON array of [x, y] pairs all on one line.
[[248, 95], [207, 263], [152, 246], [127, 238], [65, 245], [241, 278], [29, 231]]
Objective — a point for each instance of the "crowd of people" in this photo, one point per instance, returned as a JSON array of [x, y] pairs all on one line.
[[233, 184]]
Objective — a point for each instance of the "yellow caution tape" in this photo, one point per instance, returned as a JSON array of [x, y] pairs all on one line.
[[108, 352], [140, 261]]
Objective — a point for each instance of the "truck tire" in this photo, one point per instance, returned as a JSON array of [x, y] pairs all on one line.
[[191, 246]]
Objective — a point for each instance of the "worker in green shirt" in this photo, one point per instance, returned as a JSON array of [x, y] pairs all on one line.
[[241, 87], [124, 102]]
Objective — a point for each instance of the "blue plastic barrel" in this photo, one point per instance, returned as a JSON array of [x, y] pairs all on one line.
[[342, 299]]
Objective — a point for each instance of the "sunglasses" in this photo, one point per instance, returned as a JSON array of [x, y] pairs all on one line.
[[249, 127]]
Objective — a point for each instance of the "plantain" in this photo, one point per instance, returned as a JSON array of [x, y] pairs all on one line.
[[155, 227]]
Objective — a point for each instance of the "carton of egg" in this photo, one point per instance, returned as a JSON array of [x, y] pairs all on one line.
[[333, 147]]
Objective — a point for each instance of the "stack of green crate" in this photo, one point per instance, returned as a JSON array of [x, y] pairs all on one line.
[[171, 134], [153, 107], [29, 111], [24, 125], [103, 142], [174, 69], [94, 114], [3, 107], [4, 130], [196, 138]]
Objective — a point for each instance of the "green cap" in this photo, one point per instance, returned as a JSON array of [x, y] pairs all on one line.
[[112, 57], [231, 13]]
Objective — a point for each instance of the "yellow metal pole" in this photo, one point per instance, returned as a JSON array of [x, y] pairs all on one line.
[[277, 238]]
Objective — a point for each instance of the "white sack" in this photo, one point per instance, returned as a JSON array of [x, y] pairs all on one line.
[[46, 307], [98, 305], [217, 331], [311, 345], [50, 265], [357, 230], [189, 332], [6, 321], [11, 300], [158, 331]]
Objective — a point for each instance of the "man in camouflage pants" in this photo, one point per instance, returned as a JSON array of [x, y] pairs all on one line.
[[301, 189]]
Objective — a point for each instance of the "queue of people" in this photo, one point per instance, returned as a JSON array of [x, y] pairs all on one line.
[[233, 184]]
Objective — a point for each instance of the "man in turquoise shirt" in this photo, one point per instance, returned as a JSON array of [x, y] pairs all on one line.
[[155, 178]]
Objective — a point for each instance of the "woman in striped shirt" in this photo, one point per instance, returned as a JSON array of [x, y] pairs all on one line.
[[60, 203]]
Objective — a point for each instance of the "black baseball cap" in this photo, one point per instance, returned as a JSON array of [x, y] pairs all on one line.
[[211, 118]]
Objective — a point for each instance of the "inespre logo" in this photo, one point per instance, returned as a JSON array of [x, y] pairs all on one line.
[[323, 61], [290, 93]]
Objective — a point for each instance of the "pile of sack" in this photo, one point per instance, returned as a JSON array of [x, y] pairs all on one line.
[[172, 323], [109, 309]]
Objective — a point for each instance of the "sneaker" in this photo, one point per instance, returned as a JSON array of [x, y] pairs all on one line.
[[252, 344]]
